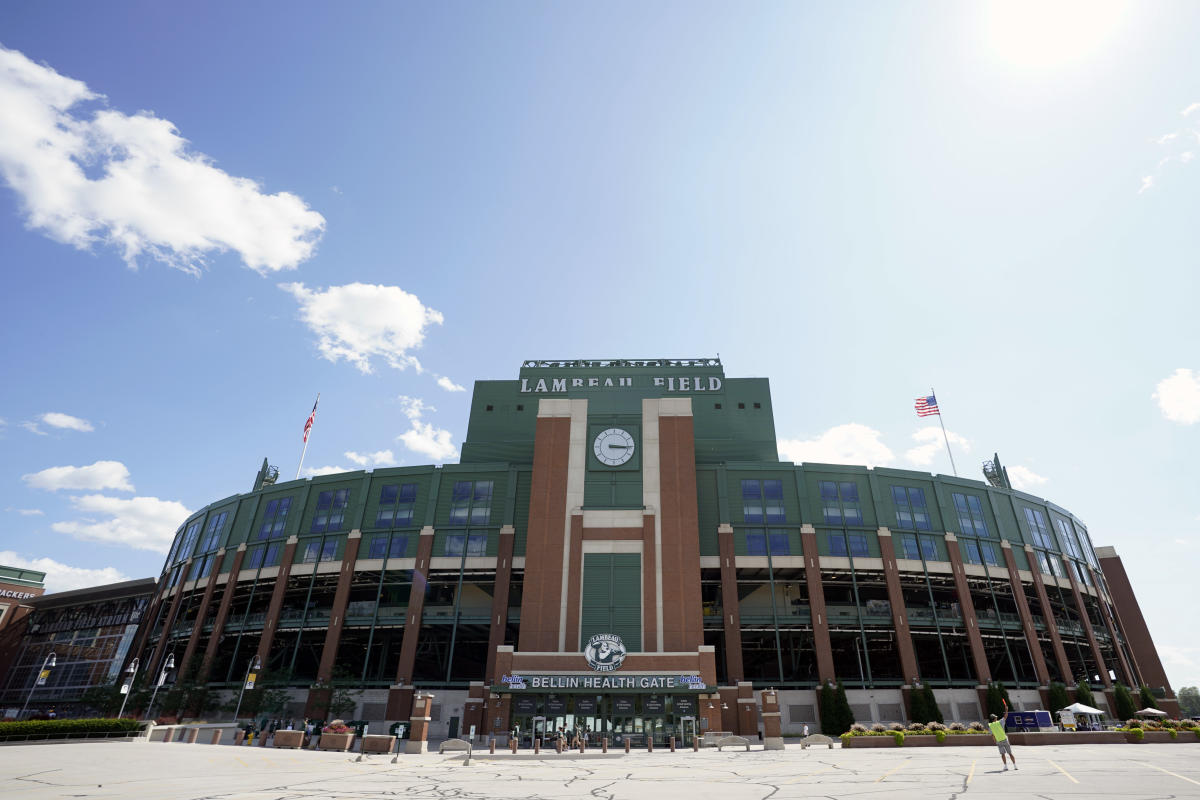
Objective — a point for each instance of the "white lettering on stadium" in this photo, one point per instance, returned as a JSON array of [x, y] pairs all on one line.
[[17, 595], [672, 384], [611, 682]]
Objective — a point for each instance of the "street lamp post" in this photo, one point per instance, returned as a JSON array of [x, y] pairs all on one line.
[[168, 665], [131, 670], [48, 662], [255, 664]]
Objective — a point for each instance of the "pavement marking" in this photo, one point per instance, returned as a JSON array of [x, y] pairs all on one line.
[[890, 771], [971, 774], [1174, 774], [243, 763], [1063, 771]]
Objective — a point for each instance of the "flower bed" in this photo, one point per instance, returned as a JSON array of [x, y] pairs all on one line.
[[37, 729]]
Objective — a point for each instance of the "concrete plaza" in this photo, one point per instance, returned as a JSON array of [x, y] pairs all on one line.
[[133, 771]]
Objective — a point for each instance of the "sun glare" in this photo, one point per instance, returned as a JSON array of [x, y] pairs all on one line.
[[1043, 34]]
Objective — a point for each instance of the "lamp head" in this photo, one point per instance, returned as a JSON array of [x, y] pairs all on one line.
[[133, 665], [52, 660], [170, 664], [256, 663]]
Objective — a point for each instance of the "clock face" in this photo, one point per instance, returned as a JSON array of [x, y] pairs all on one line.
[[613, 447]]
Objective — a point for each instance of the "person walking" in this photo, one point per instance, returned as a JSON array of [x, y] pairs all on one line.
[[806, 730], [996, 726]]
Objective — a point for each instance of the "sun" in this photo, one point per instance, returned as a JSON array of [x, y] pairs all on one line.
[[1048, 34]]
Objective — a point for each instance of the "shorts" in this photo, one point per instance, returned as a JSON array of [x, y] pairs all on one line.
[[1004, 747]]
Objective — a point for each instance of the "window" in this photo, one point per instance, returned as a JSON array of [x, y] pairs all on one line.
[[396, 504], [1038, 530], [275, 518], [471, 501], [762, 501], [1050, 564], [909, 548], [970, 551], [756, 543], [1067, 537], [990, 556], [331, 510], [929, 549], [854, 544], [395, 547], [254, 558], [970, 514], [274, 550], [839, 502], [329, 550], [911, 511], [189, 539], [212, 534], [1086, 541], [312, 552], [459, 544], [1082, 572]]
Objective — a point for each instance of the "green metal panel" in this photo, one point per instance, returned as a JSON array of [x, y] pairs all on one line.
[[708, 510], [521, 511], [421, 476], [351, 481], [611, 597], [1021, 557]]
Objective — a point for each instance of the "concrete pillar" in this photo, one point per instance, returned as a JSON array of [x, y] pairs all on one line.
[[772, 725], [418, 737]]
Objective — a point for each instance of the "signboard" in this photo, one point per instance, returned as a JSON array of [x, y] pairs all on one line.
[[525, 704], [653, 705], [42, 676], [685, 705], [673, 682], [1067, 719], [556, 705], [585, 705], [16, 595], [622, 705], [605, 652], [250, 680], [124, 688]]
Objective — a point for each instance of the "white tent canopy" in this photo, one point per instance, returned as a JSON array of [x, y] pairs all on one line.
[[1080, 708], [1150, 712]]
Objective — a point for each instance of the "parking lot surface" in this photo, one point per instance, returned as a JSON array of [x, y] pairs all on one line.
[[190, 772]]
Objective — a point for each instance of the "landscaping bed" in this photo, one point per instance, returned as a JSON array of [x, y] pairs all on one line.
[[46, 729]]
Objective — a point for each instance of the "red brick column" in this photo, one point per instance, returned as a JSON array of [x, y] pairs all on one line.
[[499, 618], [1039, 586], [649, 585], [772, 726], [983, 673], [416, 607], [202, 612], [816, 604], [710, 711], [731, 614], [747, 710], [151, 666], [419, 724], [1102, 592], [1086, 621], [473, 710], [214, 638], [337, 614], [728, 707], [891, 573], [271, 624], [683, 620], [1018, 589]]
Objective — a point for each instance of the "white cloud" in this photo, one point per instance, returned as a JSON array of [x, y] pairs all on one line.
[[1190, 109], [143, 523], [931, 443], [430, 441], [1024, 478], [313, 472], [132, 182], [57, 420], [1147, 184], [1187, 156], [100, 475], [29, 512], [413, 407], [359, 321], [32, 427], [380, 458], [1178, 396], [449, 385], [851, 443], [61, 577]]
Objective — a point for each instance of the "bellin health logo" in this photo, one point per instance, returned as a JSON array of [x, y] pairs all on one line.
[[605, 652]]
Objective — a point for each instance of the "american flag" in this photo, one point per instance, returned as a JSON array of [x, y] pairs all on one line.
[[308, 423], [926, 406]]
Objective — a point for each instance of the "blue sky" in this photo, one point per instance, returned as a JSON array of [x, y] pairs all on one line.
[[211, 214]]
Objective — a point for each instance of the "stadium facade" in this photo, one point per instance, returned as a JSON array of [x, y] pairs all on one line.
[[621, 547]]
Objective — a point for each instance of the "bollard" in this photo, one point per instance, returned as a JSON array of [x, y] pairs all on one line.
[[604, 745], [649, 744], [238, 735], [537, 745], [192, 735], [581, 747], [558, 745], [695, 744], [672, 744], [167, 735], [216, 736], [492, 747], [627, 745]]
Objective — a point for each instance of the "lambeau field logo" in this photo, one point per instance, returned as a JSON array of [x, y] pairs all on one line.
[[605, 652]]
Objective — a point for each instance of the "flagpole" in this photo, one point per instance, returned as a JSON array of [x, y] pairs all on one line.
[[305, 450], [944, 436]]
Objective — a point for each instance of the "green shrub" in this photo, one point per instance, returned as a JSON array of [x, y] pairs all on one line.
[[1174, 733], [941, 736], [47, 727], [1147, 697], [1138, 733], [898, 736], [1057, 696], [1124, 706], [1083, 694]]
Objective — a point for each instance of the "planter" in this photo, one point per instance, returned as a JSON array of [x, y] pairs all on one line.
[[1162, 737], [868, 741], [378, 743], [1067, 737], [922, 740], [336, 741], [292, 739]]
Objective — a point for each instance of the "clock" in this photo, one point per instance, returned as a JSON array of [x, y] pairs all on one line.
[[613, 447]]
